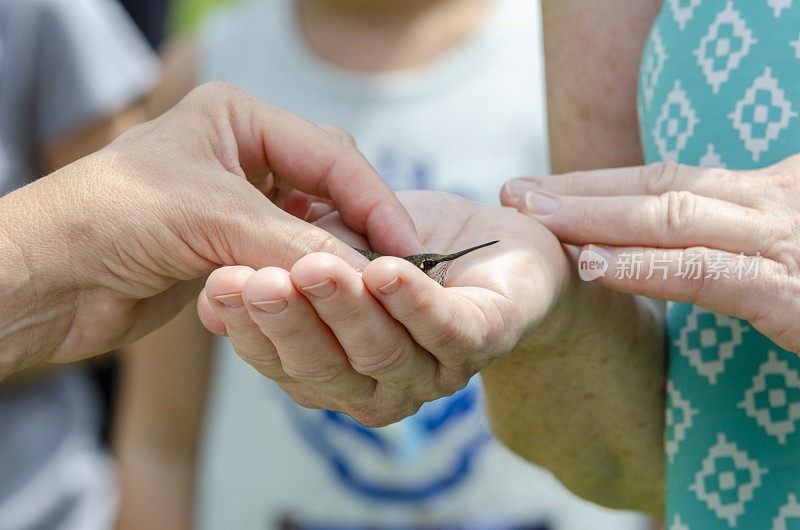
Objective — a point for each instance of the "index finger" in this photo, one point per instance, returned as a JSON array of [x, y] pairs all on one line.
[[319, 162], [652, 179]]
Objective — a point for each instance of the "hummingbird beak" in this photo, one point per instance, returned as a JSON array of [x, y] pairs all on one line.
[[467, 251]]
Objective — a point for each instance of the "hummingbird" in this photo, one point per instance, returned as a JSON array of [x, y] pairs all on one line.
[[434, 265]]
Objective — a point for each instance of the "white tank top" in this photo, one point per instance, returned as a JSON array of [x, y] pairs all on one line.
[[463, 124]]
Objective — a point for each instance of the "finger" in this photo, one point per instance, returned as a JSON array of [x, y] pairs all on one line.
[[733, 284], [224, 294], [376, 344], [333, 223], [304, 206], [317, 210], [673, 219], [308, 350], [242, 227], [653, 179], [313, 160], [340, 133], [298, 204], [208, 317], [439, 319]]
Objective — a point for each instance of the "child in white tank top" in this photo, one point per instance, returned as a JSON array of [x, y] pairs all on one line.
[[439, 94]]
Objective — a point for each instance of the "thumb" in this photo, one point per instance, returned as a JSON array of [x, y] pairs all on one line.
[[254, 232]]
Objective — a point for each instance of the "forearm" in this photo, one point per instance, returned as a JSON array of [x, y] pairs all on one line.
[[592, 52], [157, 491], [588, 404]]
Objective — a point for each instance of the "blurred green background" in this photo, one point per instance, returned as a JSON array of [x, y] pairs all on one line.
[[185, 15]]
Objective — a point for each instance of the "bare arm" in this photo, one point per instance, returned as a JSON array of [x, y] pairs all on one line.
[[66, 149], [179, 60], [590, 406], [91, 137], [158, 421], [592, 52]]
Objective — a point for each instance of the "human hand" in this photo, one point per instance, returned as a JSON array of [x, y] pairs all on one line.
[[378, 346], [110, 247], [724, 240]]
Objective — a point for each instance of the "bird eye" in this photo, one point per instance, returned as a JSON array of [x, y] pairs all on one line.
[[427, 265]]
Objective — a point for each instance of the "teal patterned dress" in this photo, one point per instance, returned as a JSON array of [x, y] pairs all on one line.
[[719, 86]]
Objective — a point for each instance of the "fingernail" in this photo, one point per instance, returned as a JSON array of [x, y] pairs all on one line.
[[321, 290], [230, 300], [538, 203], [518, 187], [272, 306], [317, 210], [390, 287]]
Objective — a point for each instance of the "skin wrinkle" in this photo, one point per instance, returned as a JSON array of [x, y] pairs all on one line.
[[659, 177], [35, 306], [144, 254], [317, 374], [27, 357], [375, 366]]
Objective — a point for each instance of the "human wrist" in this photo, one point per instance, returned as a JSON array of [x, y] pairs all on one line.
[[35, 277], [17, 291]]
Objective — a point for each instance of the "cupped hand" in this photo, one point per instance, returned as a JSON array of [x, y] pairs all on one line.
[[377, 344], [106, 249], [724, 240]]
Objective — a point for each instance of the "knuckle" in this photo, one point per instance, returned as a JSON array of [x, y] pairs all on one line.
[[570, 182], [306, 401], [677, 210], [313, 373], [448, 336], [375, 418], [312, 241], [266, 363], [213, 88], [323, 242], [787, 254], [385, 411], [787, 180], [477, 363], [268, 360], [379, 364], [659, 177], [450, 380], [200, 96]]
